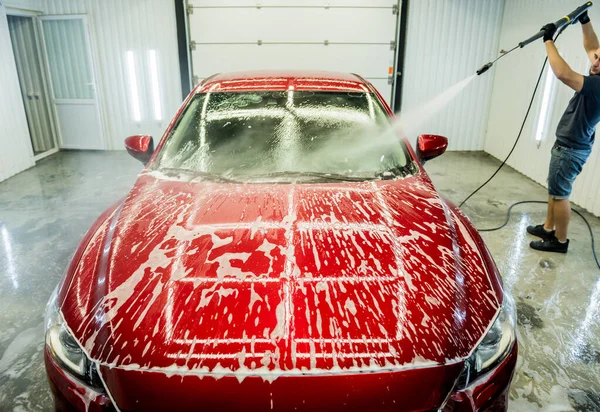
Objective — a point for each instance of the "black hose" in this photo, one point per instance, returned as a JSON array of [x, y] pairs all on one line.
[[545, 203]]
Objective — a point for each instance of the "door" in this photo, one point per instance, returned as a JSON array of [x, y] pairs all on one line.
[[25, 45], [357, 36], [73, 82]]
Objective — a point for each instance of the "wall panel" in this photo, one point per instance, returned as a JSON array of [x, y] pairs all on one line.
[[447, 41]]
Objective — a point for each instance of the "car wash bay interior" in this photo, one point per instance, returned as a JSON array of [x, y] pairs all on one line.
[[78, 76]]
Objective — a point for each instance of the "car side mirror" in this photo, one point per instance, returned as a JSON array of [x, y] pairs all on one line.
[[430, 146], [140, 146]]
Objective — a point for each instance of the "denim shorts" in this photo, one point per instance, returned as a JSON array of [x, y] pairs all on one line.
[[565, 166]]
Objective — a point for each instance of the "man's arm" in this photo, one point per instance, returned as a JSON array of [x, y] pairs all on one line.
[[590, 40], [561, 69]]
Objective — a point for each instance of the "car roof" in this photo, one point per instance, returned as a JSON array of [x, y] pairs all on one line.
[[283, 80]]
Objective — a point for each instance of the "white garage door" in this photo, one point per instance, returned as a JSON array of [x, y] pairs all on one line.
[[356, 36]]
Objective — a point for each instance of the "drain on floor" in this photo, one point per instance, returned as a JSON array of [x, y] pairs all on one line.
[[547, 264], [496, 203], [527, 315]]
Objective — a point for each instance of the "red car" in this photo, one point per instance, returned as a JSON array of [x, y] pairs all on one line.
[[282, 250]]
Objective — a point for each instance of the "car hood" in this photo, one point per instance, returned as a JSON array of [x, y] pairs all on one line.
[[271, 279]]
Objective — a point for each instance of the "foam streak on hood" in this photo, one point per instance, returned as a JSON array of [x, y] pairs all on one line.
[[263, 280]]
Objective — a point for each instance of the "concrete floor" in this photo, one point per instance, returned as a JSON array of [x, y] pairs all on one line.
[[45, 211]]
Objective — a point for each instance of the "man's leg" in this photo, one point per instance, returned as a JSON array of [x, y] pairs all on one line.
[[565, 166], [560, 213], [562, 216], [546, 229], [549, 223]]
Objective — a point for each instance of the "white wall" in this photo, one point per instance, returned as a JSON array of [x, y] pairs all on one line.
[[117, 26], [15, 146], [447, 41], [514, 82]]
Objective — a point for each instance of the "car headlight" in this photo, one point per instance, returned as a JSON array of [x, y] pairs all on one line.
[[494, 347], [65, 349]]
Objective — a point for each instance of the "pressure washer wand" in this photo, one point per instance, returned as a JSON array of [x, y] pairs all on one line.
[[568, 19]]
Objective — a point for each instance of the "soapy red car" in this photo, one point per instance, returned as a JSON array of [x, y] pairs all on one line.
[[283, 249]]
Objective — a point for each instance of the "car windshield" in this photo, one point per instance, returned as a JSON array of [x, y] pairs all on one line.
[[284, 136]]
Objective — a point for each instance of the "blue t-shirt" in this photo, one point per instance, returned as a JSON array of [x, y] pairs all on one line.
[[577, 126]]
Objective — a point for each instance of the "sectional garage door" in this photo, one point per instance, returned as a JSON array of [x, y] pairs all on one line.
[[356, 36]]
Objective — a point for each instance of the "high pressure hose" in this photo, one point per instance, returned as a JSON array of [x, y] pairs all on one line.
[[561, 24], [570, 18]]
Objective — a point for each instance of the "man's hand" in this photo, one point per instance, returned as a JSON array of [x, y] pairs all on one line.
[[583, 18], [549, 31]]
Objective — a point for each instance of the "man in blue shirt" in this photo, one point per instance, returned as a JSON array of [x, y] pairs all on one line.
[[574, 137]]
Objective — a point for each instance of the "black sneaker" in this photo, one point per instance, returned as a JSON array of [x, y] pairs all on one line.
[[550, 245], [539, 231]]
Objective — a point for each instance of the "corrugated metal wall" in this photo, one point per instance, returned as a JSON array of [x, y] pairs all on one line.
[[119, 26], [447, 41], [16, 153], [35, 5], [514, 82]]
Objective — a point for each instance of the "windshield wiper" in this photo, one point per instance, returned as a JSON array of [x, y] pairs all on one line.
[[197, 173], [395, 172], [316, 175]]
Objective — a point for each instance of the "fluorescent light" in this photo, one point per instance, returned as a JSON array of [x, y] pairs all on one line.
[[545, 106], [155, 88], [133, 89]]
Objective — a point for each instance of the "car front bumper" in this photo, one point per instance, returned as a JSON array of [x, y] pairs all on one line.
[[488, 393]]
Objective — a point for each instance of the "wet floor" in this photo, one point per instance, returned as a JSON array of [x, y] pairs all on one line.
[[45, 211], [557, 296]]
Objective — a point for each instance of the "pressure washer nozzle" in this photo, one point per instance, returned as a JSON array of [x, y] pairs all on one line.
[[484, 69]]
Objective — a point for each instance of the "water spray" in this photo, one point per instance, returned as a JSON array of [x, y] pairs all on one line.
[[570, 18]]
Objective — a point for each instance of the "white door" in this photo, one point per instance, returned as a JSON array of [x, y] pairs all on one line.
[[356, 36], [30, 69], [73, 82]]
